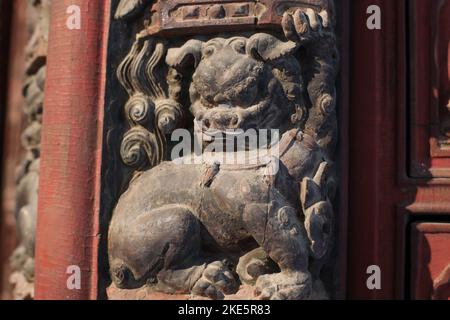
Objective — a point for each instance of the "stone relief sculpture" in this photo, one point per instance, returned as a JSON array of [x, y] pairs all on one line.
[[22, 260], [208, 228]]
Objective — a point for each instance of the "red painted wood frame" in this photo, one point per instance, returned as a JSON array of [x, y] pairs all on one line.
[[384, 197], [67, 227]]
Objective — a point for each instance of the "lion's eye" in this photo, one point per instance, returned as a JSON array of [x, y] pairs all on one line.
[[239, 46], [209, 50], [205, 103]]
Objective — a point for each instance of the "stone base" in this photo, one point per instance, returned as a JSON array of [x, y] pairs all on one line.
[[147, 293], [246, 292]]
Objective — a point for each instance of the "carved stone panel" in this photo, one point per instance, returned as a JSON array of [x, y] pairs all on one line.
[[197, 221], [22, 260]]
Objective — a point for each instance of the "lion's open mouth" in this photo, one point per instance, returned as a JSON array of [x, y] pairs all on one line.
[[238, 139], [227, 120], [213, 134]]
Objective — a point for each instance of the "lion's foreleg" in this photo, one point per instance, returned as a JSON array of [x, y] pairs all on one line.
[[281, 234]]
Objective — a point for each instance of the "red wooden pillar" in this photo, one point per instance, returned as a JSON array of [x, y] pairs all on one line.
[[375, 81], [67, 229]]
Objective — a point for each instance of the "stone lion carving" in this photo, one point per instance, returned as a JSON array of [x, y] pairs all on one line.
[[205, 228]]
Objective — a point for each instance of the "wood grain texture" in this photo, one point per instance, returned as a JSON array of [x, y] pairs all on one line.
[[67, 230]]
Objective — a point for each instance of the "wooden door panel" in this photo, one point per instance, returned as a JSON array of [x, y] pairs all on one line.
[[399, 158], [429, 35], [430, 261]]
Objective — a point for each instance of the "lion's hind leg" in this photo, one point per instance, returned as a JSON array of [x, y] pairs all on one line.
[[158, 240], [166, 253]]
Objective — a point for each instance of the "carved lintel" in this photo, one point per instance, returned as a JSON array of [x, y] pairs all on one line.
[[181, 17]]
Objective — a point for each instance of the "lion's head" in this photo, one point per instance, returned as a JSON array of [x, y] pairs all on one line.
[[242, 82]]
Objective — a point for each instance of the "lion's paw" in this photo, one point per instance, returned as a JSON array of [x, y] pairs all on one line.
[[284, 286], [305, 25], [217, 281]]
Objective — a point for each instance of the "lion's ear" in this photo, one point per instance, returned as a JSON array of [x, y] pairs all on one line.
[[265, 47], [189, 53]]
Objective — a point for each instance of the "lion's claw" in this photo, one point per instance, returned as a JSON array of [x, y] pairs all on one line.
[[216, 282], [284, 286], [304, 25]]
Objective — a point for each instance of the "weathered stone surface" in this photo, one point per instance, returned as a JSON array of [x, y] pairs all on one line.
[[245, 292], [188, 229], [22, 259], [23, 288]]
